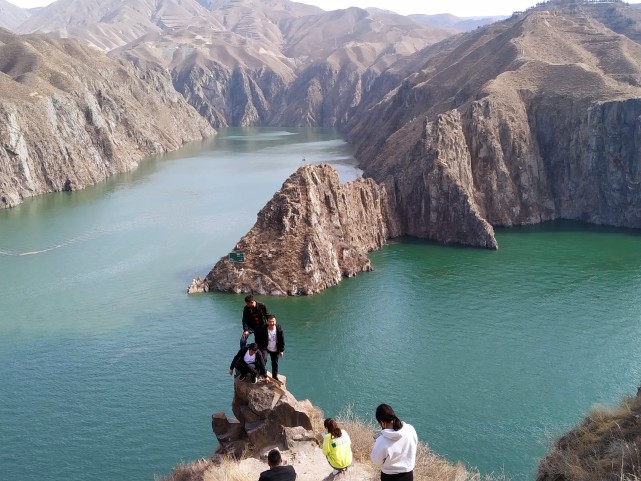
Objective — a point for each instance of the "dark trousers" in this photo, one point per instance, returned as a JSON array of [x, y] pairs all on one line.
[[398, 477], [274, 357], [243, 368]]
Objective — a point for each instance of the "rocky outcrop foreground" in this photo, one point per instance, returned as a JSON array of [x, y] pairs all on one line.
[[312, 233], [267, 417]]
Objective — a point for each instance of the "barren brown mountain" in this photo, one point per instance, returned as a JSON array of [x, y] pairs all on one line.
[[70, 116], [534, 118], [526, 120], [245, 62], [107, 24], [249, 62]]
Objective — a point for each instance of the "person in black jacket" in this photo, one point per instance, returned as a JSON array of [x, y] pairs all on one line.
[[276, 471], [249, 360], [270, 340], [254, 317]]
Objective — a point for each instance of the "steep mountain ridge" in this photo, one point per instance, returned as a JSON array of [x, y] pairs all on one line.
[[245, 62], [108, 24], [242, 63], [545, 110], [72, 117], [515, 110], [12, 16]]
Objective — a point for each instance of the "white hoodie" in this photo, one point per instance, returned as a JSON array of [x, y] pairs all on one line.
[[395, 451]]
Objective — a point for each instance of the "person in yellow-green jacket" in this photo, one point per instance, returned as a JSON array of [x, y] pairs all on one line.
[[337, 447]]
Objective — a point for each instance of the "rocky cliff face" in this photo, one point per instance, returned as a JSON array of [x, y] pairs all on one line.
[[232, 96], [70, 117], [312, 233], [533, 119], [438, 171]]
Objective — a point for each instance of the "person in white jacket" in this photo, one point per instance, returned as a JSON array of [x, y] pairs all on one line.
[[395, 449]]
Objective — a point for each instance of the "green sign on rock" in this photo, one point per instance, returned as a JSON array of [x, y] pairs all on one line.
[[237, 256]]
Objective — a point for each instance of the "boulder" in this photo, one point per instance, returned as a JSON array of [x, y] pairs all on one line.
[[197, 286], [267, 416], [226, 429], [299, 435], [266, 433]]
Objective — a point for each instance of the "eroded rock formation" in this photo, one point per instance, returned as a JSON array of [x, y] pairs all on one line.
[[268, 416], [312, 233]]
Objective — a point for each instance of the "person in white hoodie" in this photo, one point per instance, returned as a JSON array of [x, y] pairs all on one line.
[[395, 449]]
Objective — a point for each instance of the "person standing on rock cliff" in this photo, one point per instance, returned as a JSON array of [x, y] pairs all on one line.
[[254, 317], [271, 340]]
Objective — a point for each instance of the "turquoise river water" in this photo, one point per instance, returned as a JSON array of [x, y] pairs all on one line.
[[109, 371]]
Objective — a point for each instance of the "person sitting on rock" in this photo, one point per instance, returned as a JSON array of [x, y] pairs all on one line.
[[249, 360], [254, 317], [276, 471], [270, 340], [337, 447]]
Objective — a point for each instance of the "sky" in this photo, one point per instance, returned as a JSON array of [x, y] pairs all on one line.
[[460, 8]]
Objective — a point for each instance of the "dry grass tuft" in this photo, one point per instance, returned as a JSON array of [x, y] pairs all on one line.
[[360, 433], [228, 470], [187, 472], [606, 446], [317, 417]]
